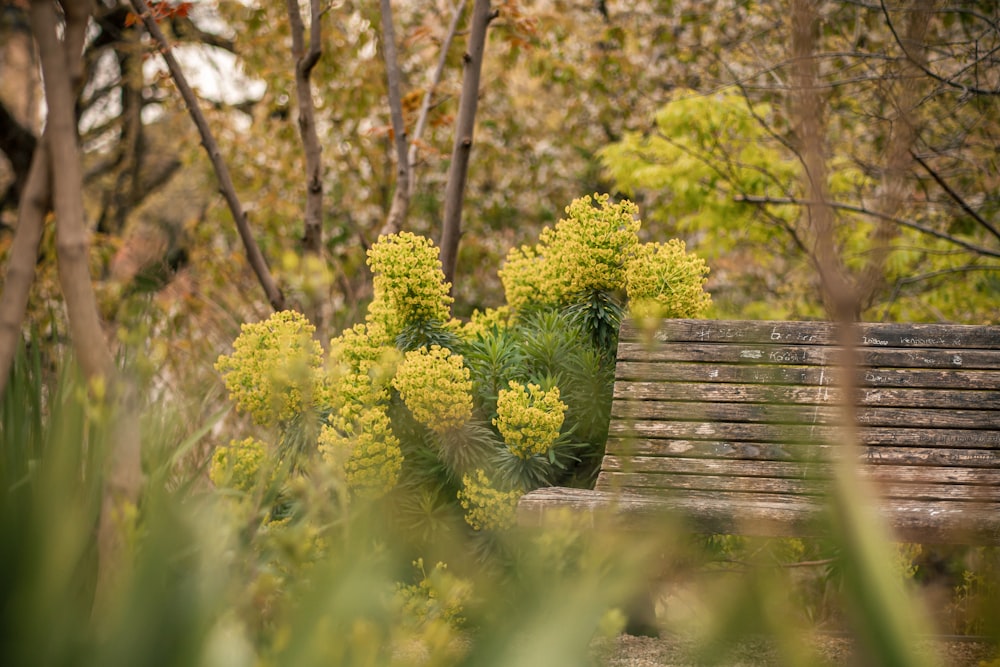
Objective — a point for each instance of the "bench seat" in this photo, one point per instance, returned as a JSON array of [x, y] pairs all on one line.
[[735, 427]]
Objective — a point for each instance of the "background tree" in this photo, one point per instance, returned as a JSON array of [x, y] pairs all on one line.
[[915, 244]]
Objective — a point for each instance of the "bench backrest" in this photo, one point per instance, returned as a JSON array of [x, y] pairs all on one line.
[[736, 418]]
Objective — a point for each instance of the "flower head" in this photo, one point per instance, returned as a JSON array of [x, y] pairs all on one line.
[[273, 371], [587, 251], [408, 282], [436, 387], [664, 280], [359, 440], [529, 419], [487, 508], [361, 363], [238, 466]]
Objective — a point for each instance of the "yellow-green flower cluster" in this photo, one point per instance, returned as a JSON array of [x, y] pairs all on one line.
[[586, 251], [526, 279], [664, 280], [360, 441], [482, 322], [529, 419], [408, 282], [238, 466], [357, 438], [362, 361], [274, 368], [439, 596], [591, 246], [487, 508], [436, 386]]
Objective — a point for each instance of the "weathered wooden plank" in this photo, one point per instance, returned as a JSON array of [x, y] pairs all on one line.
[[819, 333], [798, 470], [760, 515], [758, 451], [668, 485], [815, 414], [765, 355], [733, 426], [793, 395], [623, 430], [914, 378]]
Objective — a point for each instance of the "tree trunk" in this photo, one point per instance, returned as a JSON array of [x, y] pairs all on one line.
[[454, 193], [808, 120], [62, 65], [886, 620], [35, 201]]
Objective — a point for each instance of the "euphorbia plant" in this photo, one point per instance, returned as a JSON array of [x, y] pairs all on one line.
[[427, 412]]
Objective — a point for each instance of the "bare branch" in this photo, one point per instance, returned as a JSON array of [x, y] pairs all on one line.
[[36, 198], [401, 197], [910, 280], [454, 194], [254, 255], [425, 105], [971, 247], [967, 90], [957, 198], [305, 61]]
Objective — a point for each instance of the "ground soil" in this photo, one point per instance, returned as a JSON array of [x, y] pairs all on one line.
[[629, 651]]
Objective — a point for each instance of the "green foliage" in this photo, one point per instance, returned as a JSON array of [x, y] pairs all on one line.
[[707, 150]]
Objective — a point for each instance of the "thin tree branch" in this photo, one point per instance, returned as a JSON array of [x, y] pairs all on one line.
[[979, 250], [305, 61], [401, 197], [957, 198], [967, 90], [910, 280], [425, 105], [36, 198], [254, 255]]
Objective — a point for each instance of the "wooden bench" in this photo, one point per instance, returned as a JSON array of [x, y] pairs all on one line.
[[732, 425]]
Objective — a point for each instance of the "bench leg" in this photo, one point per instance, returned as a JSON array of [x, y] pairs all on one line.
[[640, 613]]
